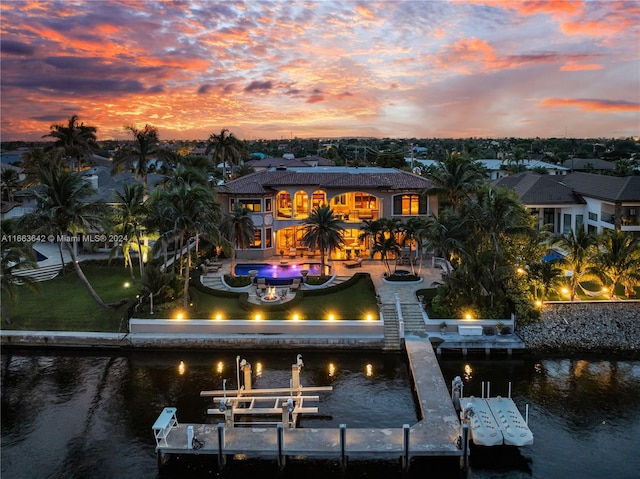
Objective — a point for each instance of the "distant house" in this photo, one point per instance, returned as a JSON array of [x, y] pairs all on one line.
[[589, 165], [498, 168], [281, 198], [288, 162], [579, 200]]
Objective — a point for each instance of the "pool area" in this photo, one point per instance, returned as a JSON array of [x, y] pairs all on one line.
[[553, 255], [278, 274]]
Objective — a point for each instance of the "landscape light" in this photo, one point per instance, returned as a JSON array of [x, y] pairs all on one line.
[[258, 317], [331, 317], [182, 367]]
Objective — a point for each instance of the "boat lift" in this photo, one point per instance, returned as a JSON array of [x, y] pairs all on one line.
[[261, 403], [492, 421]]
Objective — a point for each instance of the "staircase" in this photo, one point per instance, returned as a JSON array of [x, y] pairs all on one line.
[[413, 319], [391, 333]]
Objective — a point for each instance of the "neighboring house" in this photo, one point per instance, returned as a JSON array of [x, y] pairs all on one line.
[[281, 200], [579, 200], [499, 168], [589, 165], [288, 162]]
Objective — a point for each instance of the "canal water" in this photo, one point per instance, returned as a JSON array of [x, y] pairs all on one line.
[[89, 415]]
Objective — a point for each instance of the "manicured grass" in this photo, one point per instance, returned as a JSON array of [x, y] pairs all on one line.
[[63, 304], [355, 301]]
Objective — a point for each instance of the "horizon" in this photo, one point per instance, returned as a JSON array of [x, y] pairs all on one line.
[[323, 70]]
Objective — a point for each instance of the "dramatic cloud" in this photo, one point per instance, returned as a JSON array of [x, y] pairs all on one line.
[[281, 68]]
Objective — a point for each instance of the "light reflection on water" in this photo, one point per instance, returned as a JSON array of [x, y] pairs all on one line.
[[82, 415]]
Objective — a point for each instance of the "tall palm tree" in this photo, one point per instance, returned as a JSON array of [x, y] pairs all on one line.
[[455, 179], [386, 244], [618, 260], [580, 249], [544, 276], [191, 208], [322, 231], [64, 207], [9, 183], [131, 211], [139, 155], [238, 230], [75, 139], [226, 149]]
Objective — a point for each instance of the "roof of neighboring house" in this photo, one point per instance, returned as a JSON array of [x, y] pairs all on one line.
[[588, 163], [306, 161], [336, 177], [550, 189], [536, 189], [604, 187], [493, 164], [6, 206], [109, 185]]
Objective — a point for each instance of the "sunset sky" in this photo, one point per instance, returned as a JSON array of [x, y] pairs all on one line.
[[287, 69]]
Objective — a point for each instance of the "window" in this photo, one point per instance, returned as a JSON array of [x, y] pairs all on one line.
[[364, 201], [268, 238], [257, 239], [566, 227], [409, 205], [250, 204], [579, 222], [318, 199], [593, 216], [267, 204], [340, 200]]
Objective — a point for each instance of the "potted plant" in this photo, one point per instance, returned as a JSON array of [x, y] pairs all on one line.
[[499, 327], [443, 327]]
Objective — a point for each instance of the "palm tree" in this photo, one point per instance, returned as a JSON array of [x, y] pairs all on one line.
[[75, 139], [226, 148], [192, 208], [322, 231], [580, 249], [140, 154], [456, 178], [238, 230], [386, 244], [63, 207], [9, 182], [544, 276], [131, 211], [368, 232], [14, 257], [618, 260]]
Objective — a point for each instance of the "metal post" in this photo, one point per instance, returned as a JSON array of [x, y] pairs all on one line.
[[526, 414], [465, 446], [221, 458], [406, 429], [343, 447], [281, 457], [509, 396]]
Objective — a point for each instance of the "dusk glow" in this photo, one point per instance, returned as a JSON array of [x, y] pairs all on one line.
[[322, 69]]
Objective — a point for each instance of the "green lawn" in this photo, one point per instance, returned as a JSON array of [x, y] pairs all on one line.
[[63, 304], [352, 300]]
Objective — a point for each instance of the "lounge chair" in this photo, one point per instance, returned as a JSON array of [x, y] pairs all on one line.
[[295, 284], [356, 263], [261, 284]]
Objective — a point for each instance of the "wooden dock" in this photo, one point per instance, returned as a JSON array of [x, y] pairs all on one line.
[[437, 433]]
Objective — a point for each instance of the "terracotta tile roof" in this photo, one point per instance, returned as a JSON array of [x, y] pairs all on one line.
[[328, 178]]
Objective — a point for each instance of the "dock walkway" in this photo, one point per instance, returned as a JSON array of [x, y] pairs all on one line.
[[435, 434]]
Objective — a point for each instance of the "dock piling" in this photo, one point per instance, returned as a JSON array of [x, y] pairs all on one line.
[[406, 430], [343, 447], [281, 457], [465, 446], [221, 458]]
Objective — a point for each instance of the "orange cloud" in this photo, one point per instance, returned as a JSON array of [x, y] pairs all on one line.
[[587, 104], [574, 67]]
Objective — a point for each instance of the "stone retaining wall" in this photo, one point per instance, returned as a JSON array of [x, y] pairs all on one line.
[[585, 326]]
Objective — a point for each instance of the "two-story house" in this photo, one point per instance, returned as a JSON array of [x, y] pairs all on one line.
[[281, 200], [579, 200]]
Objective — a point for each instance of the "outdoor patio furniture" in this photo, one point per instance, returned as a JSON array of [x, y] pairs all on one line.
[[261, 285], [355, 263], [295, 284]]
